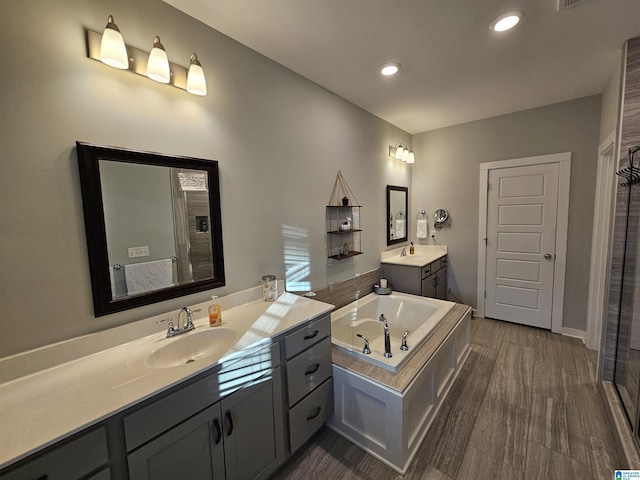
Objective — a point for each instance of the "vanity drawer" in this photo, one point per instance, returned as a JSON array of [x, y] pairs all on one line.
[[306, 336], [74, 459], [426, 271], [310, 414], [308, 370], [444, 261]]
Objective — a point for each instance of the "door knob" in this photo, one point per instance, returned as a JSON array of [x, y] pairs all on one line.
[[547, 256]]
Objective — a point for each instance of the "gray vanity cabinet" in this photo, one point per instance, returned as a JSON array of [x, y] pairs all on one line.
[[428, 281], [239, 437], [83, 457]]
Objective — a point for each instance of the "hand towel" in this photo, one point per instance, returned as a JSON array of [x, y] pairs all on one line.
[[400, 228], [421, 227], [145, 276]]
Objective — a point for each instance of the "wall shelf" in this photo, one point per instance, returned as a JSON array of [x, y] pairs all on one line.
[[343, 207]]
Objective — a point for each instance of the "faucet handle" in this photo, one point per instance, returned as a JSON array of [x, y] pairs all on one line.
[[404, 346], [170, 329], [366, 350]]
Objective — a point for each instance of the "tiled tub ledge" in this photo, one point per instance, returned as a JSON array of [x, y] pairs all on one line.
[[395, 410]]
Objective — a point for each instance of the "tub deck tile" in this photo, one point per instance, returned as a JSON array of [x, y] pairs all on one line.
[[401, 379]]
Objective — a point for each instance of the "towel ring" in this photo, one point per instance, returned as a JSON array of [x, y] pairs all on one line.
[[422, 215]]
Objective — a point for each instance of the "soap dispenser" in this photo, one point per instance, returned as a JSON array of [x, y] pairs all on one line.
[[412, 249], [215, 314]]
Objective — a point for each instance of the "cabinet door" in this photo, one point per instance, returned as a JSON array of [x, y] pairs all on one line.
[[254, 429], [429, 286], [193, 449], [441, 284]]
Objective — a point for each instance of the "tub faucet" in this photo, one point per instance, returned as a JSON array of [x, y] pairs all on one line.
[[404, 346], [403, 253], [387, 338], [366, 350]]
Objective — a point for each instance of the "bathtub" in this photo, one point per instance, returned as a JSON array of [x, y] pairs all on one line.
[[404, 312]]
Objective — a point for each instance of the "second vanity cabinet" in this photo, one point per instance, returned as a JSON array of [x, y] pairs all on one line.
[[428, 280], [240, 436]]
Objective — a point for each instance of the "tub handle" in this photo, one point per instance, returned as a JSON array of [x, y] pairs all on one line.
[[311, 335], [313, 369], [404, 346], [314, 413], [366, 350]]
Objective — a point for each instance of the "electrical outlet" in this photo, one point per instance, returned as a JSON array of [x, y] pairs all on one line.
[[138, 252]]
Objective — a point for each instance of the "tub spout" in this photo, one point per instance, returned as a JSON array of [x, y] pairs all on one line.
[[387, 338]]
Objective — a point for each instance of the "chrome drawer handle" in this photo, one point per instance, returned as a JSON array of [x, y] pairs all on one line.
[[316, 412]]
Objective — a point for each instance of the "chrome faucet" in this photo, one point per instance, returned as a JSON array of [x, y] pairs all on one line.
[[366, 350], [387, 337], [403, 253], [188, 326]]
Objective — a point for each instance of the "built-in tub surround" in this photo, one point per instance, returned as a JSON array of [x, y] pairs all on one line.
[[417, 315], [389, 413], [46, 406]]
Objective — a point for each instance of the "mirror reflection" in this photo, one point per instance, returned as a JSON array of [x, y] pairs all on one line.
[[150, 242], [153, 226], [397, 214]]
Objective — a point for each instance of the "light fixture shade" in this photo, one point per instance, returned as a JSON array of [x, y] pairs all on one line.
[[158, 63], [399, 152], [113, 52], [196, 83], [405, 155], [412, 158]]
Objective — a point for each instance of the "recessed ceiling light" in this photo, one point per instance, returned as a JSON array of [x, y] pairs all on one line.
[[389, 69], [506, 21]]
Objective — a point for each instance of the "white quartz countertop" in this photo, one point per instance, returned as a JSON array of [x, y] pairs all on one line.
[[424, 255], [49, 405]]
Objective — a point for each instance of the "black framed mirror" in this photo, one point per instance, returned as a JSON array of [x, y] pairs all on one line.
[[397, 214], [153, 226]]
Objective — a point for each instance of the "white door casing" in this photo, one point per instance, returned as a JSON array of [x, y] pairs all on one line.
[[526, 287]]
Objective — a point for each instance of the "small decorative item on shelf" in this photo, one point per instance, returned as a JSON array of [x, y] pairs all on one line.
[[345, 249], [345, 201]]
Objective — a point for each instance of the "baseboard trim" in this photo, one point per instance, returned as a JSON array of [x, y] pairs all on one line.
[[574, 332]]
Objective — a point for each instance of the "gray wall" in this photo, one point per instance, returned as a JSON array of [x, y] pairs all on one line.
[[275, 134], [611, 103], [446, 175]]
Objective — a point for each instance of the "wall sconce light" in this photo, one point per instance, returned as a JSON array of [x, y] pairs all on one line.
[[158, 63], [112, 49], [196, 83], [400, 153], [109, 48]]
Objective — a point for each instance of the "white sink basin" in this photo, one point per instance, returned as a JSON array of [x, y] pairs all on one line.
[[187, 348]]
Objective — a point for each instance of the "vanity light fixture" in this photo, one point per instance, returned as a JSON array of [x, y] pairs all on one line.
[[113, 52], [196, 82], [158, 63], [506, 21], [389, 69], [400, 153], [109, 48]]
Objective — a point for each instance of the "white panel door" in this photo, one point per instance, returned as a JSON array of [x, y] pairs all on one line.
[[522, 207]]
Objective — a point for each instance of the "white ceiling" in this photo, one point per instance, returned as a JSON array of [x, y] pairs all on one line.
[[454, 69]]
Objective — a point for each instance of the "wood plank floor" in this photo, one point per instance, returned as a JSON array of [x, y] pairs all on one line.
[[525, 405]]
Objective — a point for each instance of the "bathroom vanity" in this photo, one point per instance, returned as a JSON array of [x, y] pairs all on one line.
[[424, 273], [131, 412]]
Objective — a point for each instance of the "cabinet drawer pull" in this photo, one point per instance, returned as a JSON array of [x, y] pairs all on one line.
[[229, 423], [311, 335], [314, 414], [216, 424], [313, 369]]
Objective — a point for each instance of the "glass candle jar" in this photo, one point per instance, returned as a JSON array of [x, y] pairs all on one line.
[[269, 288]]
